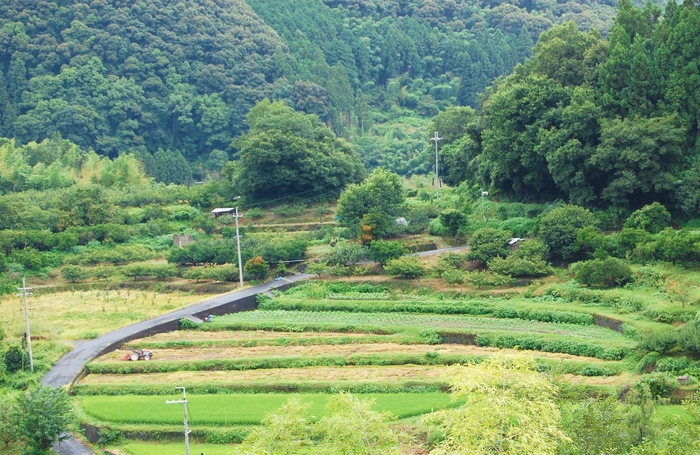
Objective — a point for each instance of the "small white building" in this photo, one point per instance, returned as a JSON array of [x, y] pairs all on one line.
[[223, 211]]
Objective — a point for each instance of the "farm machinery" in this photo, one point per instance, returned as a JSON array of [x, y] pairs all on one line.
[[139, 354]]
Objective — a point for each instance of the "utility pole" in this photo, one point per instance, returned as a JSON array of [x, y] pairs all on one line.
[[238, 243], [483, 213], [24, 293], [437, 139], [187, 429]]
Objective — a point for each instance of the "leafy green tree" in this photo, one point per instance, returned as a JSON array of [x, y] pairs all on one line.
[[382, 252], [488, 243], [74, 273], [347, 253], [352, 428], [287, 152], [641, 414], [406, 267], [605, 273], [652, 218], [44, 414], [3, 263], [204, 222], [597, 427], [453, 220], [9, 428], [381, 192], [283, 432], [510, 409], [558, 229], [256, 268]]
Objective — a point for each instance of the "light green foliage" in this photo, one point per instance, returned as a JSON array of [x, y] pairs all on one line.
[[510, 409], [44, 414], [641, 422], [382, 252], [74, 273], [406, 267], [226, 272], [351, 427], [147, 269], [381, 192], [652, 218], [347, 253], [204, 222], [605, 273], [282, 432], [558, 229], [9, 424], [596, 427], [527, 260], [488, 243]]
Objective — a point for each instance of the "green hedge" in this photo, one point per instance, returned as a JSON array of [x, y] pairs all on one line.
[[561, 346], [470, 307]]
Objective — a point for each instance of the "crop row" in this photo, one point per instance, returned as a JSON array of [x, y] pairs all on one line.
[[478, 308], [397, 322], [240, 364]]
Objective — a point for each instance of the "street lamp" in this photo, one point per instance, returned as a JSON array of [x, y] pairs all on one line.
[[238, 244], [483, 213]]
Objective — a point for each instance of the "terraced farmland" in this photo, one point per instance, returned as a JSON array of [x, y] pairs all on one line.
[[243, 365]]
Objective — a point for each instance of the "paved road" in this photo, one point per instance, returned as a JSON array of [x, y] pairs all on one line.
[[70, 366]]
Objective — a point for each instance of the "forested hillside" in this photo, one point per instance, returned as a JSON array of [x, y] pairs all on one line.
[[180, 76], [595, 122]]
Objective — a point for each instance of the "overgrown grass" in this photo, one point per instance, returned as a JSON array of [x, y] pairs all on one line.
[[238, 409], [85, 314]]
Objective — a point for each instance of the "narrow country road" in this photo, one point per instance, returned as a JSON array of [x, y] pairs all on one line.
[[70, 366]]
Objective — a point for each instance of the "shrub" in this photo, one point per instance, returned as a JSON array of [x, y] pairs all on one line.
[[661, 385], [558, 229], [255, 213], [518, 267], [186, 324], [347, 253], [256, 268], [382, 252], [226, 272], [204, 222], [407, 267], [488, 243], [652, 218], [606, 273], [479, 279], [15, 359], [74, 273], [660, 341], [144, 269], [453, 276], [3, 263], [597, 370], [452, 220], [689, 336]]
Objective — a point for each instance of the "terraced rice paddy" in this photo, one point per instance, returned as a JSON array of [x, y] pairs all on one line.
[[254, 361], [238, 409]]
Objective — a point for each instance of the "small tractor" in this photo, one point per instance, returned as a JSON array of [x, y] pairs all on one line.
[[139, 354]]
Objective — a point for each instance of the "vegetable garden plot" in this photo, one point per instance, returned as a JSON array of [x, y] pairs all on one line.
[[398, 321]]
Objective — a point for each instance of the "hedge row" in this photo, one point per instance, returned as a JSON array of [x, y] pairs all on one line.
[[285, 387], [561, 346], [324, 341], [470, 308], [430, 358]]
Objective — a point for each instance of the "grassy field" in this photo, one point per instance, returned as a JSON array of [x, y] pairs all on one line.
[[236, 409], [87, 314]]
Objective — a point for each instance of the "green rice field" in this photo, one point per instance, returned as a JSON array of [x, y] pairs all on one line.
[[240, 409]]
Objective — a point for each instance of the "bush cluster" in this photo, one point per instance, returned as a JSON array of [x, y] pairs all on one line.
[[225, 272], [562, 346]]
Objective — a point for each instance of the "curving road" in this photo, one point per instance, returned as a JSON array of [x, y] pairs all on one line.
[[70, 367]]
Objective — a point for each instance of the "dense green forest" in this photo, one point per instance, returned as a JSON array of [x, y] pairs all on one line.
[[599, 123], [172, 81]]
